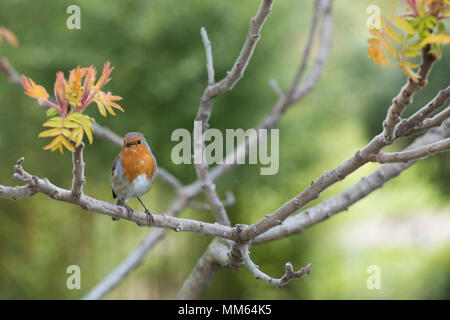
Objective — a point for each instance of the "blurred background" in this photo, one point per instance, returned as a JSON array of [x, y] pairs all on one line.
[[159, 60]]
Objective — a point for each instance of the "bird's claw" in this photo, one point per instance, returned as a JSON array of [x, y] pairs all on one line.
[[129, 211], [149, 215]]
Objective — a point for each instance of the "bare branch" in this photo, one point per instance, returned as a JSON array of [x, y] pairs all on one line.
[[339, 173], [213, 90], [229, 201], [209, 188], [411, 125], [309, 44], [436, 121], [341, 202], [209, 57], [405, 156], [284, 102], [273, 83], [87, 203], [204, 271], [107, 134], [6, 68], [256, 24], [288, 276], [269, 122], [78, 171], [324, 48], [239, 66], [405, 95], [136, 257], [15, 193], [130, 263]]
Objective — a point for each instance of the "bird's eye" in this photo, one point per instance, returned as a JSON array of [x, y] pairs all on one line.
[[139, 142]]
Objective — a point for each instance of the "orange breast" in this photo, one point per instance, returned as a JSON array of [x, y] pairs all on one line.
[[137, 160]]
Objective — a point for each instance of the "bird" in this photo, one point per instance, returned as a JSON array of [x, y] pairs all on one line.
[[133, 171]]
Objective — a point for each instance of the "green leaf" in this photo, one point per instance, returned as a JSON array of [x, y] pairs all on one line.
[[51, 112], [404, 25]]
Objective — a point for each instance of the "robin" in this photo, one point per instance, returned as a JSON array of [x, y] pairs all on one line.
[[133, 171]]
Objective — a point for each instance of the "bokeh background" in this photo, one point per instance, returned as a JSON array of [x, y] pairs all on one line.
[[159, 61]]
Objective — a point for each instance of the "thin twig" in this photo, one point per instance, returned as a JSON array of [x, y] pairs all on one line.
[[407, 126], [405, 96], [405, 156], [229, 201], [309, 44], [288, 275], [209, 57]]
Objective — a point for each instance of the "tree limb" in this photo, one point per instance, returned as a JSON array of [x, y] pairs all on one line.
[[411, 125], [288, 275], [405, 95], [78, 171], [405, 156], [341, 202]]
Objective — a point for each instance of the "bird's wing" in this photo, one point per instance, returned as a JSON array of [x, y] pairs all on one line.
[[112, 173]]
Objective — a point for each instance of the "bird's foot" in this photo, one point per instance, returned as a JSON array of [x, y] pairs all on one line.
[[150, 217], [124, 205], [129, 210]]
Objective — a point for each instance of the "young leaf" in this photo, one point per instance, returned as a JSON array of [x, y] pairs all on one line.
[[403, 24], [50, 133], [51, 112]]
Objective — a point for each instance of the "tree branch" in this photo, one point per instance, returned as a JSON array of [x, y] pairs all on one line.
[[131, 262], [239, 66], [204, 271], [135, 258], [307, 50], [405, 95], [44, 186], [242, 149], [360, 158], [209, 56], [298, 93], [16, 193], [409, 126], [78, 171], [288, 275], [405, 156], [229, 201], [236, 73], [203, 115], [341, 202], [284, 101]]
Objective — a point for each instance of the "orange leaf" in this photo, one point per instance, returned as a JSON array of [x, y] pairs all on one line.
[[375, 52], [35, 91], [9, 36]]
